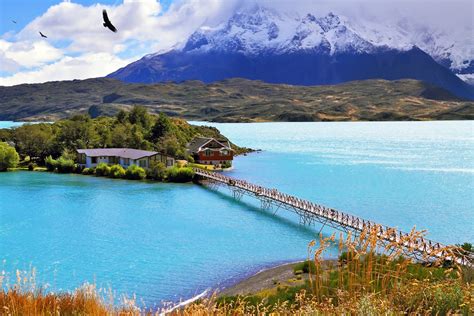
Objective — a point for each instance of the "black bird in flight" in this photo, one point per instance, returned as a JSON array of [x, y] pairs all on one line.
[[42, 35], [14, 21], [107, 22]]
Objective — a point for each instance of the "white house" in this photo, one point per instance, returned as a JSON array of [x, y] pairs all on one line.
[[123, 156]]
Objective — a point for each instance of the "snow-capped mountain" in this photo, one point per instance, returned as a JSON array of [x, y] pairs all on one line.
[[260, 43], [266, 31]]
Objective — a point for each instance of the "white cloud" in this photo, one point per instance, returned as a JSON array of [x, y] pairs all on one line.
[[30, 53], [68, 68]]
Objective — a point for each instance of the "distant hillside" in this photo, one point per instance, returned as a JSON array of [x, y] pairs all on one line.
[[237, 100]]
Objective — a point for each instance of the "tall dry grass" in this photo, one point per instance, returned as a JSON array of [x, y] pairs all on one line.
[[23, 297], [369, 279]]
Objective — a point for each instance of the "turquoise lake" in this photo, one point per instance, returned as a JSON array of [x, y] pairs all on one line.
[[170, 241]]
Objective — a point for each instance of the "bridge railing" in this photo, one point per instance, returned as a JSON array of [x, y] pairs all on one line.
[[419, 244]]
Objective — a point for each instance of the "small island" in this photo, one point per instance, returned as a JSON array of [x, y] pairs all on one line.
[[132, 145]]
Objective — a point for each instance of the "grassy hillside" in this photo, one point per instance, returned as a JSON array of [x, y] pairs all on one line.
[[237, 100]]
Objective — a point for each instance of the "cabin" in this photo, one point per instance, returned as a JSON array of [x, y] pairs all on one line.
[[210, 151], [125, 157]]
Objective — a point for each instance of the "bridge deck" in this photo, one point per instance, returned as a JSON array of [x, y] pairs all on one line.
[[417, 247]]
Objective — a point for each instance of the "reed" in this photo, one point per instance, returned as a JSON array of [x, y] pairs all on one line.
[[369, 278]]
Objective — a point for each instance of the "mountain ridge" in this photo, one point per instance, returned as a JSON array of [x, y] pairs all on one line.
[[236, 100]]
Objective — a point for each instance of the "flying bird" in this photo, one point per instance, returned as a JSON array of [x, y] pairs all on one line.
[[42, 35], [107, 22], [14, 21]]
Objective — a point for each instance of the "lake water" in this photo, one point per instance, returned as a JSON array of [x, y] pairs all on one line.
[[169, 241], [8, 124]]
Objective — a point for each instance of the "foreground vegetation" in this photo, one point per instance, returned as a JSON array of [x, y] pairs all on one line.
[[237, 100], [361, 282]]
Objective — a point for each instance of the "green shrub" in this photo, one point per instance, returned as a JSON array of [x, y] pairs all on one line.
[[64, 165], [78, 168], [157, 171], [226, 165], [305, 267], [50, 163], [117, 171], [135, 172], [32, 166], [102, 170], [9, 158], [181, 175], [86, 171]]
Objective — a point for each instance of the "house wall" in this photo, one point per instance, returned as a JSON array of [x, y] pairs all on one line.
[[214, 156], [124, 162]]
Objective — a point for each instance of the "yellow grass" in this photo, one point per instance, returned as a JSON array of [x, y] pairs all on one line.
[[363, 283]]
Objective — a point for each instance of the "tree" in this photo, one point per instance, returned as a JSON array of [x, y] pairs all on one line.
[[34, 140], [77, 132], [9, 158], [5, 134], [140, 116], [122, 116], [161, 127], [157, 171], [120, 135], [102, 127]]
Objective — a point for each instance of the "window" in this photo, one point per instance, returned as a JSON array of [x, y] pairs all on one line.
[[93, 159], [225, 152], [142, 163], [208, 152], [126, 161]]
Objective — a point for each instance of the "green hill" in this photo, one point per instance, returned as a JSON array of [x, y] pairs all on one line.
[[237, 100]]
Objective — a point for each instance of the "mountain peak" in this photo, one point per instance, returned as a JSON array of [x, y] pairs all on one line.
[[259, 30]]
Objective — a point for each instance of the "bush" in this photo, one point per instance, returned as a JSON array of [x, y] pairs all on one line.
[[305, 267], [135, 172], [32, 166], [226, 165], [50, 163], [117, 171], [9, 158], [102, 170], [87, 171], [181, 175], [157, 171], [78, 168], [64, 165]]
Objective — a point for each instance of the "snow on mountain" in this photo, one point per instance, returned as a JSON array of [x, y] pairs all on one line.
[[265, 30], [256, 30]]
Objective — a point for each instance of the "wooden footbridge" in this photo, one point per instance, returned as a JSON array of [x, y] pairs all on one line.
[[419, 248]]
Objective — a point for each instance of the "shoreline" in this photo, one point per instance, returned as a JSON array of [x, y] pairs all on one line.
[[264, 278], [243, 283]]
